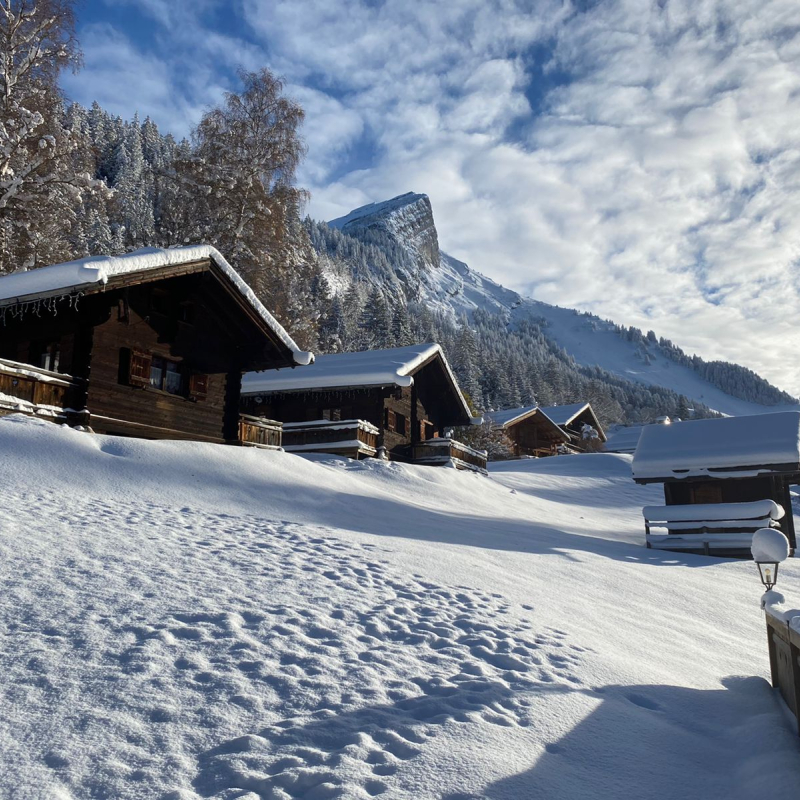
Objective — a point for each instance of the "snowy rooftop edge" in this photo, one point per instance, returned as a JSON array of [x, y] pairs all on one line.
[[391, 367], [96, 271], [694, 447]]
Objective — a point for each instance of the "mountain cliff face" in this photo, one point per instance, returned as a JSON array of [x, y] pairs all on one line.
[[402, 232], [405, 223]]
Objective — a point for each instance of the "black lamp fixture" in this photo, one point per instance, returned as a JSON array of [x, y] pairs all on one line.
[[768, 570]]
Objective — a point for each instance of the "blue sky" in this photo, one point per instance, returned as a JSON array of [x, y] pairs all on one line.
[[638, 160]]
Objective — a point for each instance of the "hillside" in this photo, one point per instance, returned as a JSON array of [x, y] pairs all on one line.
[[405, 229], [192, 621]]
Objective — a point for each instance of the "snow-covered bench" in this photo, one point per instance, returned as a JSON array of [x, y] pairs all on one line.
[[710, 527]]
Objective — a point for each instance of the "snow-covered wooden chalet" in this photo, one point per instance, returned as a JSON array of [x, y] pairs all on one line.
[[723, 479], [529, 431], [394, 403], [546, 431], [150, 344]]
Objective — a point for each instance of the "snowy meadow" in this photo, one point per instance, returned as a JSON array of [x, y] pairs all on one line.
[[185, 621]]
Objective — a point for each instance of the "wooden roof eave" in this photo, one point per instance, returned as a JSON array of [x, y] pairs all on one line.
[[451, 380]]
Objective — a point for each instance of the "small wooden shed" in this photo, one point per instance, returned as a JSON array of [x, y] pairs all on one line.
[[731, 460], [530, 431], [395, 403], [150, 344]]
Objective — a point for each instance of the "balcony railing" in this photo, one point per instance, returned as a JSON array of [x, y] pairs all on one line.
[[260, 432], [355, 438], [39, 392], [445, 451]]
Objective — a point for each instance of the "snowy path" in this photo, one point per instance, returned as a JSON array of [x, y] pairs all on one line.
[[163, 638]]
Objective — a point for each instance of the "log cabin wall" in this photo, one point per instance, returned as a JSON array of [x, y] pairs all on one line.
[[171, 324]]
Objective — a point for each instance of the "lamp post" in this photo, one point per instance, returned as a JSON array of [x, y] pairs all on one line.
[[769, 548]]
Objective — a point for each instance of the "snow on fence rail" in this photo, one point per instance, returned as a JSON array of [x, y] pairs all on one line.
[[35, 391], [443, 451], [705, 527], [783, 640], [351, 437]]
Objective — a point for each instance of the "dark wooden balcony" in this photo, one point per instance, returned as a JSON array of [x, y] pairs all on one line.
[[355, 438], [441, 452], [260, 432], [25, 389]]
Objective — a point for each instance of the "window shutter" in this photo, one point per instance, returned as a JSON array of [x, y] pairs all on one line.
[[198, 386], [139, 370], [391, 420]]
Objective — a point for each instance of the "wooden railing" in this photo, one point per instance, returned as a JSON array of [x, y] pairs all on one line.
[[259, 432], [443, 451], [353, 437], [719, 528], [39, 392], [783, 639]]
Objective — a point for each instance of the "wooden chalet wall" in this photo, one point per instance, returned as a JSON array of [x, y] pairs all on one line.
[[532, 436], [403, 416], [690, 491], [188, 319]]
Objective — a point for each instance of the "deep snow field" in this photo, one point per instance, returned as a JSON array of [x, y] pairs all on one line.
[[184, 621]]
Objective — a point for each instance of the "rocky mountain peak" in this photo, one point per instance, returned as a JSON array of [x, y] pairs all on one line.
[[406, 221]]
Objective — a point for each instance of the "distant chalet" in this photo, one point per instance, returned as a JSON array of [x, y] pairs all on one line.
[[545, 431], [151, 344], [733, 460], [395, 403]]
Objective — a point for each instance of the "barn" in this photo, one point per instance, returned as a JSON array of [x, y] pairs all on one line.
[[723, 479], [150, 344], [396, 403]]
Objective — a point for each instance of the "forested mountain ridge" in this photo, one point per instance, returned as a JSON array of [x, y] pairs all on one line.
[[453, 291]]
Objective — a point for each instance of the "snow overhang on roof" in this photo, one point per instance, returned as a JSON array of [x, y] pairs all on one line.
[[721, 448], [502, 419], [367, 369], [96, 272]]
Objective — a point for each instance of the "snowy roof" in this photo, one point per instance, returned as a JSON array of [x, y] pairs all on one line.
[[728, 447], [392, 367], [563, 415], [623, 439], [510, 415], [94, 273]]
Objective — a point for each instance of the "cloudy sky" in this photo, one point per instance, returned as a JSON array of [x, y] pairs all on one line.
[[637, 159]]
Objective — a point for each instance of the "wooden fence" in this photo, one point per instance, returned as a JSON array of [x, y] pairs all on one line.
[[260, 432], [38, 392], [784, 661]]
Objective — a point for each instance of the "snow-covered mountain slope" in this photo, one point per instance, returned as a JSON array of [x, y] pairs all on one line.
[[189, 621], [451, 287]]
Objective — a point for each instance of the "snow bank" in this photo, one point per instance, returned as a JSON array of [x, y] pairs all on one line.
[[74, 276], [190, 621], [699, 447]]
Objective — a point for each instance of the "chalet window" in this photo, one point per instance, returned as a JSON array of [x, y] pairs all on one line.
[[165, 374], [48, 356], [331, 414], [400, 424], [186, 313]]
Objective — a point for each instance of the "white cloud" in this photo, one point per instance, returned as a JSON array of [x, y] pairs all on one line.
[[658, 184]]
